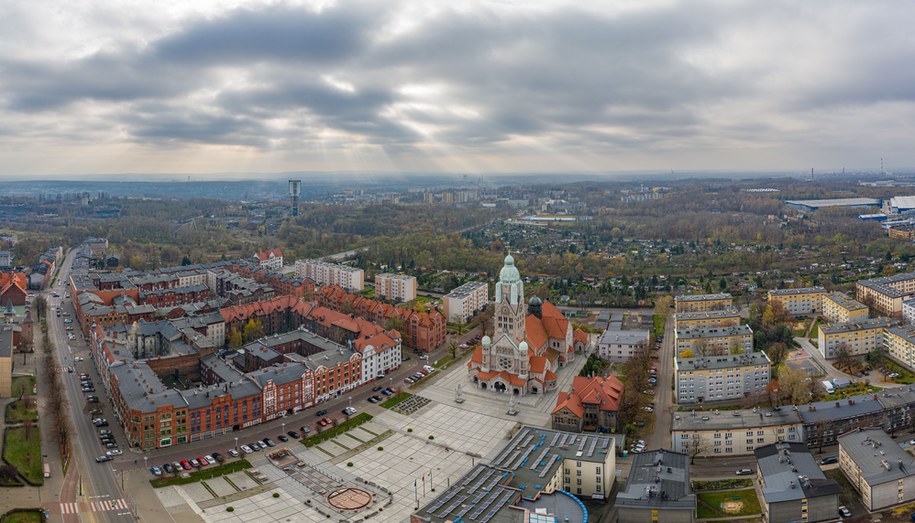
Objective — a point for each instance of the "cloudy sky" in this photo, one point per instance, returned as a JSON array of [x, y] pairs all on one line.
[[171, 86]]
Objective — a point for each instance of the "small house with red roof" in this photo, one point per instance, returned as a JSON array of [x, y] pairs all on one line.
[[272, 259]]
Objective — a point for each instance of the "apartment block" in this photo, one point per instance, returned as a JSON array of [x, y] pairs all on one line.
[[726, 317], [899, 344], [465, 301], [886, 294], [7, 342], [807, 300], [703, 302], [875, 465], [395, 287], [793, 486], [351, 279], [658, 489], [733, 432], [536, 477], [908, 312], [858, 338], [721, 378], [714, 339], [272, 259], [839, 308], [618, 346]]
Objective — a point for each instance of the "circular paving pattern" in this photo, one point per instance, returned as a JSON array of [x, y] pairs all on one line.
[[349, 498]]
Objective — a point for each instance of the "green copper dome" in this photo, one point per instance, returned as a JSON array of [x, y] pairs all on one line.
[[509, 273]]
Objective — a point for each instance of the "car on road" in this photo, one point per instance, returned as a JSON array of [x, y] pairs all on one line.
[[293, 434], [115, 452], [92, 399], [844, 512], [743, 472], [244, 448], [70, 370], [78, 358], [185, 464], [233, 453], [321, 412], [282, 437], [828, 460], [102, 459]]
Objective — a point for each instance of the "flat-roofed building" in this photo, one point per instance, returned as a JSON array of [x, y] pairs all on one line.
[[825, 420], [908, 312], [658, 489], [899, 344], [552, 466], [886, 294], [813, 205], [839, 308], [858, 338], [714, 339], [7, 342], [726, 317], [618, 346], [703, 302], [396, 287], [721, 378], [465, 301], [877, 468], [793, 486], [807, 300], [323, 273], [733, 432]]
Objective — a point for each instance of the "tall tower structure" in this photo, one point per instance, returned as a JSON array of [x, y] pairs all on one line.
[[295, 189]]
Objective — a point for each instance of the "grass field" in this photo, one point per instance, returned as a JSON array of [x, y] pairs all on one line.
[[856, 388], [722, 484], [22, 516], [20, 382], [396, 399], [207, 473], [710, 504], [19, 411], [657, 328], [332, 432], [24, 454]]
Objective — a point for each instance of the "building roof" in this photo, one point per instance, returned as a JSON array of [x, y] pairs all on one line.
[[734, 419], [879, 457], [605, 393], [789, 472], [266, 255], [852, 407], [874, 323], [632, 337], [466, 289], [835, 202], [658, 479], [727, 312], [694, 333], [843, 300], [884, 284], [704, 297], [746, 359], [6, 341], [800, 290]]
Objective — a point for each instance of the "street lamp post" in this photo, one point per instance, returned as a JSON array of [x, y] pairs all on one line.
[[350, 401], [284, 427], [236, 444], [146, 461]]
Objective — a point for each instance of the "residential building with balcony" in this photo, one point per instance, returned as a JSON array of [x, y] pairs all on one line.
[[807, 300], [466, 300], [703, 302], [721, 378], [395, 287], [858, 338]]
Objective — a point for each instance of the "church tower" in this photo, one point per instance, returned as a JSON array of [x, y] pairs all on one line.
[[509, 311]]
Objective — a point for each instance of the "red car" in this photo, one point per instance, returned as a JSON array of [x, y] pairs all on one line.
[[185, 464], [203, 462]]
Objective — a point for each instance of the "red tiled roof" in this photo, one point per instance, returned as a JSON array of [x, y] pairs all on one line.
[[571, 402], [266, 255], [505, 375]]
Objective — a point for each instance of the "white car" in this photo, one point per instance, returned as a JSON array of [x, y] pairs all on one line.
[[233, 453], [246, 449], [210, 459], [115, 452]]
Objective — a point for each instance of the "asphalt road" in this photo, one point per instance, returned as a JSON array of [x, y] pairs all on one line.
[[664, 397], [98, 481]]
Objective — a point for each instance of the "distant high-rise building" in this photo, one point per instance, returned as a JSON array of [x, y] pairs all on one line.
[[295, 189]]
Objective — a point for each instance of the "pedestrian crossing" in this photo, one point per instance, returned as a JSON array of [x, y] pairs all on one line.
[[94, 506]]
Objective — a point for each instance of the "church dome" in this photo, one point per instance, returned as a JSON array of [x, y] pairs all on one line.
[[486, 340], [522, 346], [535, 301], [509, 273]]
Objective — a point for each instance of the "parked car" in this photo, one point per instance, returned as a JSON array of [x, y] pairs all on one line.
[[111, 445], [194, 462], [376, 389], [233, 452], [185, 464], [217, 457], [244, 448], [168, 468], [304, 430], [202, 461], [829, 460], [102, 459], [209, 459], [293, 434], [282, 437], [100, 422], [844, 512], [743, 472], [269, 442], [115, 452]]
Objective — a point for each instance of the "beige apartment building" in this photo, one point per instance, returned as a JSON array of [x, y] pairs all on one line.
[[715, 339], [7, 341], [899, 344], [721, 378], [395, 287], [839, 308], [726, 317], [875, 465], [463, 302], [858, 337], [703, 302], [351, 279], [887, 294], [807, 300], [733, 432]]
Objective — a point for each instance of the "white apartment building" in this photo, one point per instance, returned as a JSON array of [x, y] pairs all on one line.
[[395, 287], [618, 346], [380, 355], [464, 301], [323, 273], [721, 378]]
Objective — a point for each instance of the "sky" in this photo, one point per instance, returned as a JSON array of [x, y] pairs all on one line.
[[431, 86]]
